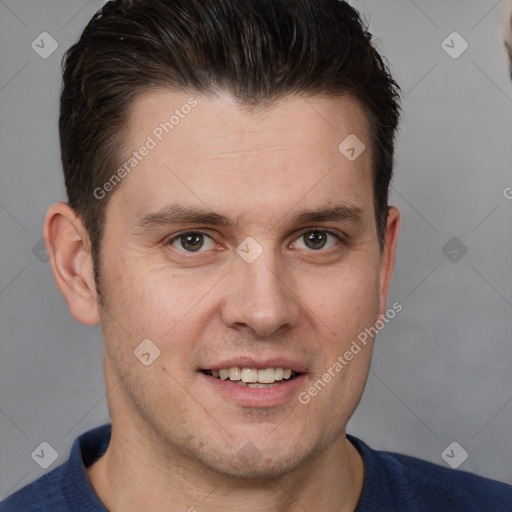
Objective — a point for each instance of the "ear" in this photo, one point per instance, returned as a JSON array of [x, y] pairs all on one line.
[[387, 263], [68, 246]]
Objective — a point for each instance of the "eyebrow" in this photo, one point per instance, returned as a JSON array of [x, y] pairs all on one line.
[[176, 213]]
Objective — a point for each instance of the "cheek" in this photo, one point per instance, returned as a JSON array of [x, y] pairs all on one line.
[[153, 301], [348, 308], [347, 301]]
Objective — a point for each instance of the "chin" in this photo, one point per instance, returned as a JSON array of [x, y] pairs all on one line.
[[249, 463], [260, 471]]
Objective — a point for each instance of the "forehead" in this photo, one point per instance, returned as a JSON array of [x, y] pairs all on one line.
[[214, 151], [312, 120]]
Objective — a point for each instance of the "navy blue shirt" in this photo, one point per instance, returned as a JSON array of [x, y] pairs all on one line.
[[392, 482]]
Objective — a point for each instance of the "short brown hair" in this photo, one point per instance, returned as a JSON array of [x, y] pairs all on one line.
[[256, 50]]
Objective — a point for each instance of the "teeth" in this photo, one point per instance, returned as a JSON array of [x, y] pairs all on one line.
[[249, 375], [266, 376], [235, 373], [258, 385], [252, 376]]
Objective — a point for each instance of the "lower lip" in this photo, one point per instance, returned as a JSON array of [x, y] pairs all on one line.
[[256, 397]]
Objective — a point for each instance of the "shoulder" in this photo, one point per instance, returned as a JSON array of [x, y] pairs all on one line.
[[66, 488], [44, 494], [427, 487], [452, 488]]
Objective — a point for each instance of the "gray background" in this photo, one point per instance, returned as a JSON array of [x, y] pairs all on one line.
[[442, 367]]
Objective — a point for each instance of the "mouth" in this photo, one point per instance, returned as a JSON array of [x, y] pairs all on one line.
[[253, 377]]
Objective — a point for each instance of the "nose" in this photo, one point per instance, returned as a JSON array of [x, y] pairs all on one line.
[[258, 298]]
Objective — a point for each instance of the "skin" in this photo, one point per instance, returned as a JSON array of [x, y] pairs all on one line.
[[177, 443]]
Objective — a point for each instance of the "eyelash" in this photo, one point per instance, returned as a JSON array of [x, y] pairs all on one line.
[[301, 234]]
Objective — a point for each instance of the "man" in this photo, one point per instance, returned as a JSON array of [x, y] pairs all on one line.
[[227, 167]]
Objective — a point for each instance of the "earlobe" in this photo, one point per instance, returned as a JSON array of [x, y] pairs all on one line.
[[388, 255], [68, 246]]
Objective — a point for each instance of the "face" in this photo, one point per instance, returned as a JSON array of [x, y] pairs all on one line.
[[242, 239]]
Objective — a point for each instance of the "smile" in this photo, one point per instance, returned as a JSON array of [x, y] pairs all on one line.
[[248, 386], [253, 377]]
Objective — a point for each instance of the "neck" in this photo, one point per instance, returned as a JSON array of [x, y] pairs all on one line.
[[135, 471]]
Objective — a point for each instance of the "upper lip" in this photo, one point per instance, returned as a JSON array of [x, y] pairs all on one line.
[[261, 364]]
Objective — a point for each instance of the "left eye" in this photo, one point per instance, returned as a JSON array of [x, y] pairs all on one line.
[[316, 240]]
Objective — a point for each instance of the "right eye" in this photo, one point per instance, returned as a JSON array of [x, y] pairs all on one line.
[[191, 241]]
